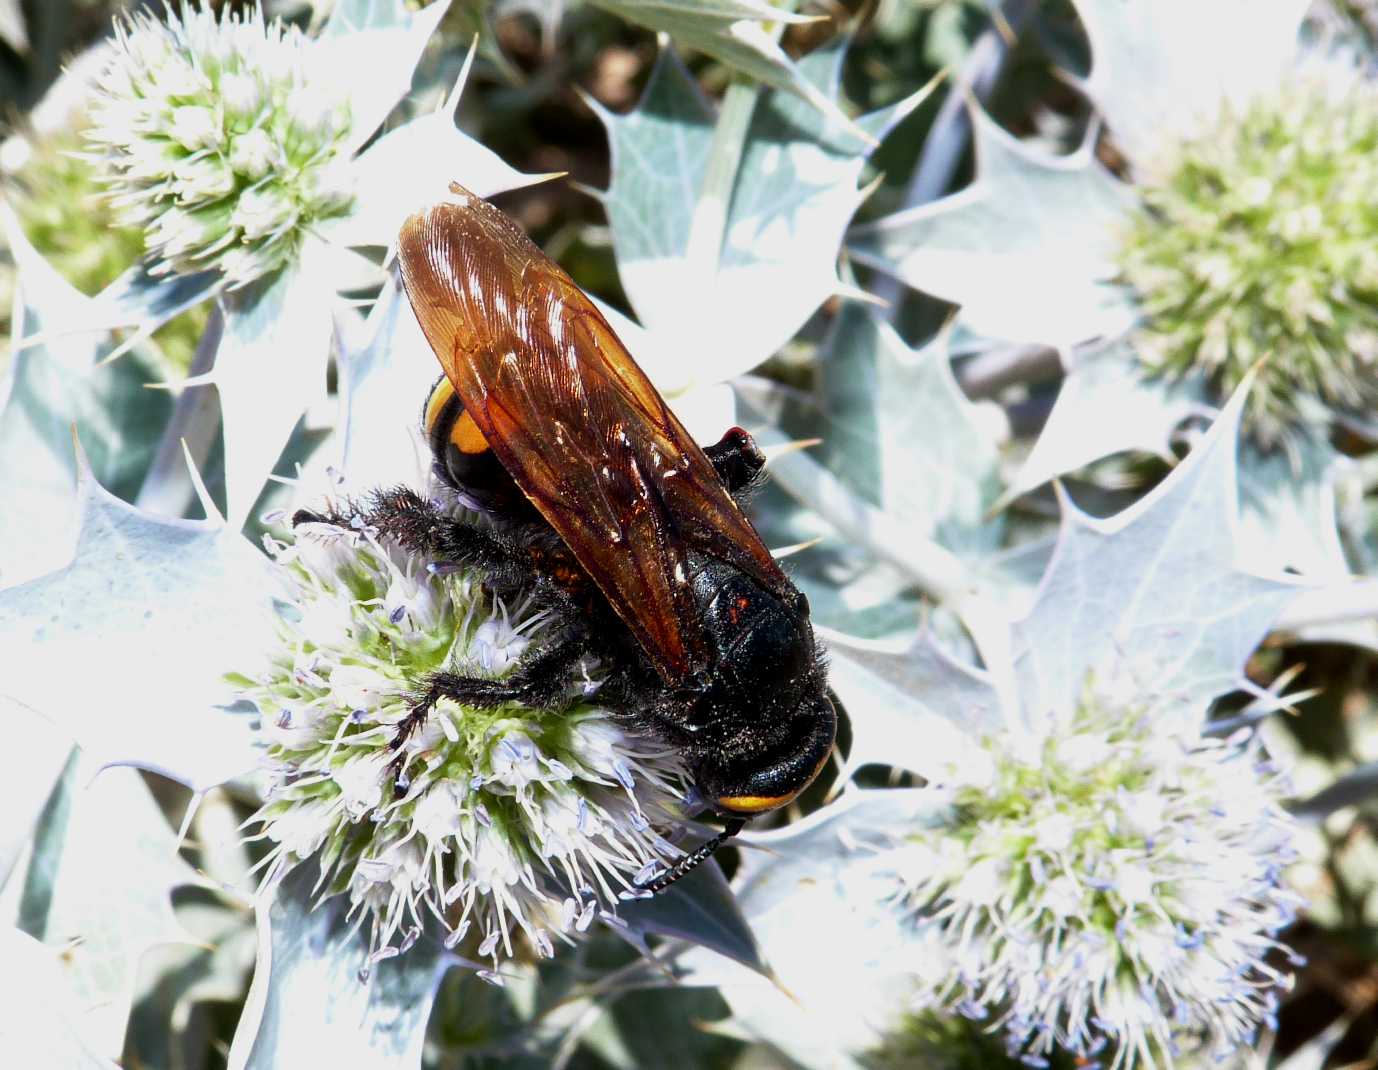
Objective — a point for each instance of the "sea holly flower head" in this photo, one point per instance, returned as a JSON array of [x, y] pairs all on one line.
[[1256, 239], [214, 138], [492, 824], [1113, 892]]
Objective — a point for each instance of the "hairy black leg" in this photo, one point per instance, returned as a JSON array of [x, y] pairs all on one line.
[[737, 459], [421, 528], [541, 682]]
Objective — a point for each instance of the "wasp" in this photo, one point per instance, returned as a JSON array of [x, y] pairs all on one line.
[[604, 507]]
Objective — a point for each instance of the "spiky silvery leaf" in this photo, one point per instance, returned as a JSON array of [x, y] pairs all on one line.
[[154, 608], [102, 848], [1027, 250], [1095, 873], [781, 220]]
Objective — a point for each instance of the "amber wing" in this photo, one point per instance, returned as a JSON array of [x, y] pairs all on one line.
[[576, 422]]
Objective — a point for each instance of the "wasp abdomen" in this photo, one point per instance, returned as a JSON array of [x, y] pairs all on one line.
[[464, 459]]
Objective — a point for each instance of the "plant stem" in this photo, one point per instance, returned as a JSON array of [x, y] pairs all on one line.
[[946, 143], [708, 227], [167, 488], [1339, 603], [988, 373]]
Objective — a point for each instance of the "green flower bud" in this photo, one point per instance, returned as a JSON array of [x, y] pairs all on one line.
[[203, 110], [1255, 241]]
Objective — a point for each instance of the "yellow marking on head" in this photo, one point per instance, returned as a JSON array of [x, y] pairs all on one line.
[[466, 436], [753, 804], [441, 394]]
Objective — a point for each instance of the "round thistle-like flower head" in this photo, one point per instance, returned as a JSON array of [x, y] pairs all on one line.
[[1259, 239], [1114, 895], [215, 140], [492, 822]]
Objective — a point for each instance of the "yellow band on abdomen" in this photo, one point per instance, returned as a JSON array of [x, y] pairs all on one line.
[[441, 394], [752, 804]]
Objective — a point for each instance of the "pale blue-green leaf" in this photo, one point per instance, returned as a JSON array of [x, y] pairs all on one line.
[[1027, 250], [270, 367], [145, 301], [1341, 611], [731, 31], [838, 990], [1011, 576], [178, 978], [29, 783], [1357, 633], [668, 1025], [1355, 787], [38, 1020], [851, 592], [796, 189], [931, 567], [848, 588], [914, 707], [383, 384], [373, 53], [351, 16], [48, 387], [706, 408], [411, 168], [866, 526], [1163, 70], [1152, 595], [308, 1004], [1109, 404], [659, 152], [139, 629], [102, 850], [699, 908], [1287, 511], [900, 431], [138, 300]]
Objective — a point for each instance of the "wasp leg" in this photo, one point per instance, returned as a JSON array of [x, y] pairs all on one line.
[[543, 682], [421, 528], [737, 459]]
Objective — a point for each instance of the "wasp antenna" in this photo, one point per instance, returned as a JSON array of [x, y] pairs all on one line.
[[695, 858]]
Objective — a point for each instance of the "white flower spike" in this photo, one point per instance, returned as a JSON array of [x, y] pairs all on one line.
[[214, 138], [493, 823], [1117, 895]]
